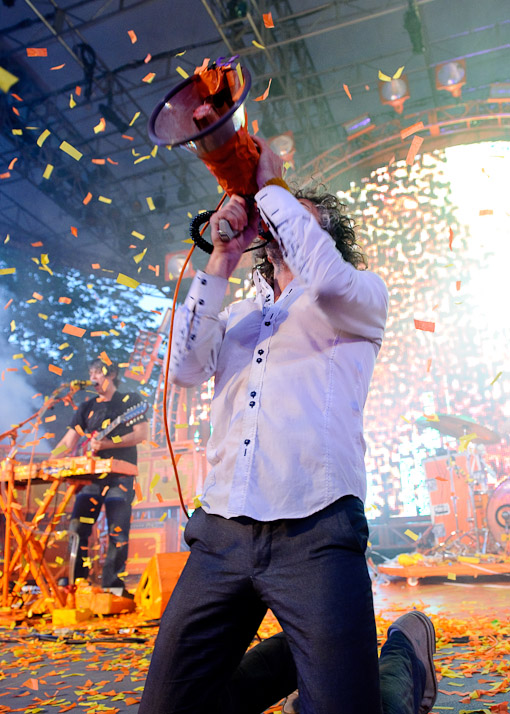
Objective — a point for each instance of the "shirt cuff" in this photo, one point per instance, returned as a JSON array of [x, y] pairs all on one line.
[[206, 294]]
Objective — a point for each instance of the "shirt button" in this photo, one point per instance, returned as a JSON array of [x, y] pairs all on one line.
[[252, 404], [261, 352], [200, 302], [259, 359], [252, 394], [267, 324], [204, 282], [246, 441]]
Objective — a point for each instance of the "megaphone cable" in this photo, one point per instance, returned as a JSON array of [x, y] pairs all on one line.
[[167, 360]]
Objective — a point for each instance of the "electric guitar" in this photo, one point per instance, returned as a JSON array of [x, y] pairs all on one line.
[[131, 416]]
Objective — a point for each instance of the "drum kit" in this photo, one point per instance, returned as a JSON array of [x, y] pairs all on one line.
[[470, 509]]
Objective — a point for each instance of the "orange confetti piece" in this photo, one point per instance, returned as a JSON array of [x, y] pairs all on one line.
[[126, 136], [429, 364], [149, 77], [111, 161], [87, 199], [347, 91], [268, 20], [37, 296], [37, 51], [458, 284], [413, 149], [95, 266], [255, 126], [58, 66], [50, 418], [32, 683], [101, 126], [138, 491], [7, 304], [425, 326], [56, 370], [74, 231], [411, 130], [100, 162], [265, 94], [11, 165], [72, 330], [37, 244], [66, 300], [148, 58], [105, 358], [450, 238], [132, 36]]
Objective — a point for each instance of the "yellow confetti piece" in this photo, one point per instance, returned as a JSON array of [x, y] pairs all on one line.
[[140, 236], [398, 73], [139, 257], [240, 74], [84, 519], [237, 281], [42, 316], [135, 117], [48, 171], [142, 158], [7, 271], [42, 137], [100, 127], [116, 439], [496, 378], [72, 102], [150, 203], [17, 132], [465, 440], [7, 80], [103, 199], [70, 150], [182, 71], [164, 516], [383, 77], [58, 450], [27, 369], [13, 325], [451, 576], [410, 534], [155, 480], [127, 281], [59, 560], [154, 151], [257, 44]]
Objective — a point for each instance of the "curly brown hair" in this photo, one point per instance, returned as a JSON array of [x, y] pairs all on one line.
[[332, 219]]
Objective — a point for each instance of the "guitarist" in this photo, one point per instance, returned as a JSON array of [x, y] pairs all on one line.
[[115, 491]]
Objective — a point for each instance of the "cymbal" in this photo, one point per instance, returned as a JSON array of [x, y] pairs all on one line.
[[498, 510], [458, 426]]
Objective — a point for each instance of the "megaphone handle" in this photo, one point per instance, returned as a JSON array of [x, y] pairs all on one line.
[[226, 231]]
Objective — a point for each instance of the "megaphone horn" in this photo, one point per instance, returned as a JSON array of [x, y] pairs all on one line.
[[206, 114]]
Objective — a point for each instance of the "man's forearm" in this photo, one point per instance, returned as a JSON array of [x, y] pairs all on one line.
[[221, 265]]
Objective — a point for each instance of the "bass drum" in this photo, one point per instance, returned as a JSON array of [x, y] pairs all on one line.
[[498, 512]]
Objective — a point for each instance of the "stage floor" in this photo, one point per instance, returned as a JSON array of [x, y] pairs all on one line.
[[101, 666]]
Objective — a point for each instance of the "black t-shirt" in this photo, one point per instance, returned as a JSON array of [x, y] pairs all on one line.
[[92, 414]]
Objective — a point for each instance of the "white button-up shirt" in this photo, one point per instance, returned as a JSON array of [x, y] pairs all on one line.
[[291, 376]]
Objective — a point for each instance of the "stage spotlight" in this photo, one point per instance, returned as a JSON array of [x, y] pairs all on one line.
[[394, 93], [283, 145], [451, 76], [500, 91], [358, 126]]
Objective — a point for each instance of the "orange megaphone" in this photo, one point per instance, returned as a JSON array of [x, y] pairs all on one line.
[[206, 115]]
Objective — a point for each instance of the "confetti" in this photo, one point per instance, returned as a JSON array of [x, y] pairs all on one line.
[[450, 238], [7, 80], [268, 20], [148, 58], [425, 326], [58, 66], [87, 199], [495, 378], [11, 165], [74, 231], [72, 330], [48, 171], [56, 370], [410, 534], [137, 235], [132, 36], [72, 102], [42, 137], [265, 94], [104, 199], [150, 203], [149, 77], [135, 117], [127, 281], [255, 127], [347, 91], [413, 149], [257, 44], [182, 71], [7, 271], [70, 150], [411, 130], [37, 51], [100, 127]]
